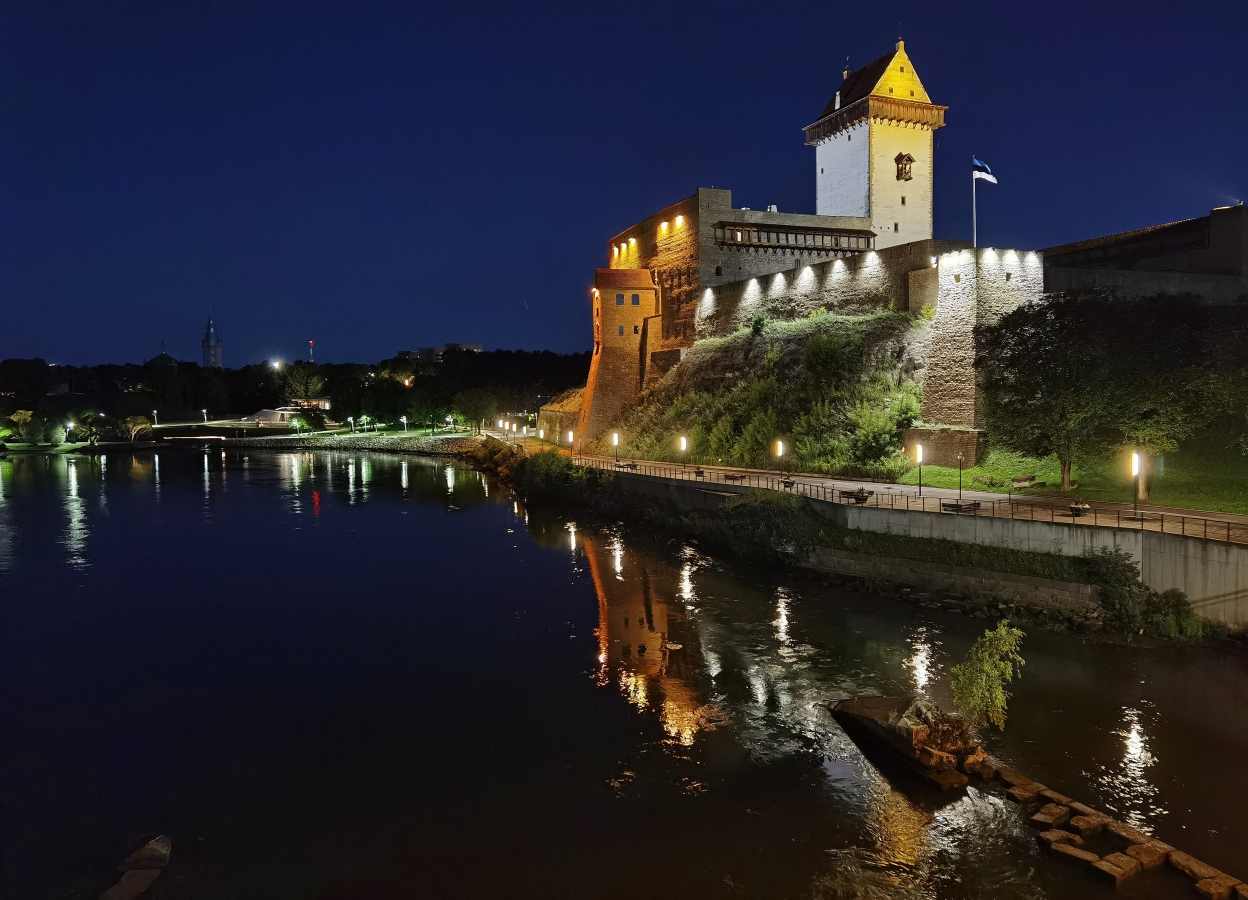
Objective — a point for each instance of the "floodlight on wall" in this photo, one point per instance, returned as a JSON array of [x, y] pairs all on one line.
[[680, 221], [663, 227], [632, 241]]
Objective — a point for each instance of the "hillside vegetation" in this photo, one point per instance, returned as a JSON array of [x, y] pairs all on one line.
[[836, 389]]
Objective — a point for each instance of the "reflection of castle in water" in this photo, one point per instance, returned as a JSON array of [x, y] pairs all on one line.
[[645, 641]]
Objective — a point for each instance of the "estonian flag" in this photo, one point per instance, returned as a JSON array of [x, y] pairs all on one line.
[[981, 170]]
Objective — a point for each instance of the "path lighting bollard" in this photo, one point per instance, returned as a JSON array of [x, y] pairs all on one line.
[[918, 456], [1135, 474], [541, 434]]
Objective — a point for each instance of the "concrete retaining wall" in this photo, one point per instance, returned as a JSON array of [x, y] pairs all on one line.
[[1213, 574]]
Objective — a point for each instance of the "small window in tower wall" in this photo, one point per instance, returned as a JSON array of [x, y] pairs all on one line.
[[636, 300], [1009, 275], [895, 228], [636, 329], [719, 270], [903, 201], [619, 299], [621, 329]]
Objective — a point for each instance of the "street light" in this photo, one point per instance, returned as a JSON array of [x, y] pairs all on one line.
[[684, 451], [959, 476], [205, 412], [69, 426], [351, 422], [918, 456], [570, 434], [403, 419], [615, 442], [780, 456], [155, 421]]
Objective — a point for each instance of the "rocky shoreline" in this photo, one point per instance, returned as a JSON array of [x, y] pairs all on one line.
[[457, 445]]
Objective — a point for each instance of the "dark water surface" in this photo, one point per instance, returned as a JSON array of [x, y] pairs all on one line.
[[351, 676]]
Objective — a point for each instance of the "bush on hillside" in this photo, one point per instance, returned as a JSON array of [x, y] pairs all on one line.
[[1133, 606]]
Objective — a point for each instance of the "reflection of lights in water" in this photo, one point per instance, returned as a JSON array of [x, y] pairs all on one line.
[[572, 534], [920, 662], [1132, 795], [782, 616], [156, 471], [450, 478], [686, 583], [76, 528], [403, 474], [634, 688], [680, 722], [617, 552]]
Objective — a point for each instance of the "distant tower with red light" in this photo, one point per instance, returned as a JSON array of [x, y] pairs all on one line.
[[310, 359]]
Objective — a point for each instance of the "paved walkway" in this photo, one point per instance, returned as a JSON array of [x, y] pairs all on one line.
[[1038, 507]]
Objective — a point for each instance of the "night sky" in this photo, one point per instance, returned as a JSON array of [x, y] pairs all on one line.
[[386, 176]]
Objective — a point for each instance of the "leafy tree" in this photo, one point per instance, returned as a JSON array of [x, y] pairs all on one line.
[[1035, 364], [17, 423], [475, 405], [135, 426], [311, 418], [978, 682], [303, 381]]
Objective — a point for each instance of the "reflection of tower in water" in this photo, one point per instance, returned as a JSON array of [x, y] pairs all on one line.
[[636, 647]]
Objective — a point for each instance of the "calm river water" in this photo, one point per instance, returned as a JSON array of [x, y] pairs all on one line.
[[351, 676]]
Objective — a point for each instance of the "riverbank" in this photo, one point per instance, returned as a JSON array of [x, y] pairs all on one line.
[[1096, 594], [460, 445]]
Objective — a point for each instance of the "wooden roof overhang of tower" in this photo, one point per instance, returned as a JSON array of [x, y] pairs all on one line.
[[886, 109]]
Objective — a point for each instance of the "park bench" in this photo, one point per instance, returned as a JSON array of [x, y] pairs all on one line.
[[860, 496], [1079, 509], [959, 506], [1022, 482], [698, 473], [728, 476]]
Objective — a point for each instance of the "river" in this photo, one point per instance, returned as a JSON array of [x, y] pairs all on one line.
[[348, 675]]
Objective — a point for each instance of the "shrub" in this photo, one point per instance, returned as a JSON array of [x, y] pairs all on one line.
[[978, 682], [1133, 606]]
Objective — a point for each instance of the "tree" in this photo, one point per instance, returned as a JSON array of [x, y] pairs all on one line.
[[17, 423], [311, 418], [303, 381], [978, 682], [1034, 365], [135, 426], [476, 406]]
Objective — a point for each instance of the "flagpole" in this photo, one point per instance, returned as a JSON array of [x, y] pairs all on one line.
[[974, 211]]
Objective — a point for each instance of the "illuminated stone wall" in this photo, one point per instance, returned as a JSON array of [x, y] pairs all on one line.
[[871, 280], [975, 287]]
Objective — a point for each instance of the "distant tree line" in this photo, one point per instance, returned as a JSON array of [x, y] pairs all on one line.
[[1080, 374], [37, 398]]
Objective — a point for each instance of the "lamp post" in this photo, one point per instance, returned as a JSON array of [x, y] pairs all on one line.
[[403, 419], [780, 456], [155, 421], [918, 456], [351, 422], [1135, 474], [684, 452], [615, 443], [69, 426], [959, 476], [570, 450], [204, 413]]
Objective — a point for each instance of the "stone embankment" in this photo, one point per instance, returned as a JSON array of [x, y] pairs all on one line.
[[384, 443]]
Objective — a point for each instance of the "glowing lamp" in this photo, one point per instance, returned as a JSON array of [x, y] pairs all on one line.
[[680, 221], [569, 437], [615, 439], [779, 448], [918, 453], [684, 443], [1135, 465], [663, 227]]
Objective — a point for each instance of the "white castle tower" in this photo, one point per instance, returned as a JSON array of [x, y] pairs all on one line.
[[873, 150]]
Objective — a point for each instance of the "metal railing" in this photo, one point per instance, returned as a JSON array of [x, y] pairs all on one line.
[[892, 497]]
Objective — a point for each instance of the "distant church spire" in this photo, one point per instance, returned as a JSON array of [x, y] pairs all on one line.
[[212, 346]]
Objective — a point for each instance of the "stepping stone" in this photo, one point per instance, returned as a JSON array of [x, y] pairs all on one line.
[[1117, 866], [1074, 853], [1150, 855], [1192, 867], [1059, 799], [1025, 793], [1219, 887], [1057, 836], [1086, 825], [1008, 775], [1051, 815]]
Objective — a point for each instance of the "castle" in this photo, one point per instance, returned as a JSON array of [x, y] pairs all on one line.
[[701, 267]]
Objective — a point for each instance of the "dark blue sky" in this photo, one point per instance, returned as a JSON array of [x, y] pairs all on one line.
[[388, 175]]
